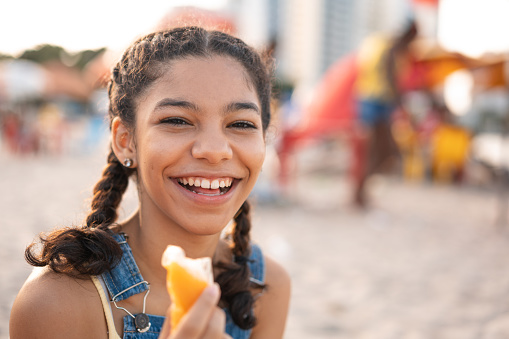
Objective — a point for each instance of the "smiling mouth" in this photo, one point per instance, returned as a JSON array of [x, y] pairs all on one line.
[[202, 186]]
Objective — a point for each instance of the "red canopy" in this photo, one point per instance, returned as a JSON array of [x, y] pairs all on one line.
[[427, 2], [332, 108], [331, 111]]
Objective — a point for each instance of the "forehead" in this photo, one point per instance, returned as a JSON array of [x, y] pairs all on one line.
[[208, 73], [208, 83]]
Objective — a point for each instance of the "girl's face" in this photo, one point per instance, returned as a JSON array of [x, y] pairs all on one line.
[[199, 143]]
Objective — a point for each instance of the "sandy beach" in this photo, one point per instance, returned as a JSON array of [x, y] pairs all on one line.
[[426, 262]]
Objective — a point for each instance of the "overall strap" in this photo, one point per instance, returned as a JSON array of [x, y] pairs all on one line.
[[124, 280], [256, 265]]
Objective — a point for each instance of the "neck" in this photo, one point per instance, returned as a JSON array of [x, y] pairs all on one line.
[[148, 238]]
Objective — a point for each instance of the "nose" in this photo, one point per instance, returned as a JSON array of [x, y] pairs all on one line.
[[213, 146]]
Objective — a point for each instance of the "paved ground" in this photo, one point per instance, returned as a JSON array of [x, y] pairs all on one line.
[[426, 262]]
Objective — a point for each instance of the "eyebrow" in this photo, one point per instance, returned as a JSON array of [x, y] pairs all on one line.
[[231, 107], [168, 102], [238, 106]]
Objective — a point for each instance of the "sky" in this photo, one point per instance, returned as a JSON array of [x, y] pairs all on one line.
[[79, 25], [472, 27]]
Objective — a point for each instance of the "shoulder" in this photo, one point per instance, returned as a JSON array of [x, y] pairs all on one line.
[[277, 280], [52, 305], [272, 306]]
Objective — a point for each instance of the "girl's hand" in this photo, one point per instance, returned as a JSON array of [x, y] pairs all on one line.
[[203, 321]]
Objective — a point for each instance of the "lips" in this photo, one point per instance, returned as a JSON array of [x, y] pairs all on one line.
[[206, 186]]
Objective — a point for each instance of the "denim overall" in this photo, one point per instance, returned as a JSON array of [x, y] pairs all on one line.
[[125, 280]]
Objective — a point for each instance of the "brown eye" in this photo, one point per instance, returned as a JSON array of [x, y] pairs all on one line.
[[174, 121], [243, 125]]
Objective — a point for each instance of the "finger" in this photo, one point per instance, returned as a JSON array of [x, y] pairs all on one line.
[[216, 325], [195, 322], [166, 330]]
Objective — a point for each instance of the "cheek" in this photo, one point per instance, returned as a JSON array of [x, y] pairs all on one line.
[[156, 151], [254, 156]]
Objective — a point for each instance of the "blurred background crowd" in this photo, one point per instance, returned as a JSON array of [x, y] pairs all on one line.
[[447, 95]]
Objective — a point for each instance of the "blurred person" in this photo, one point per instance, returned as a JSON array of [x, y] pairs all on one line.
[[51, 125], [20, 133], [11, 131], [29, 141], [188, 109], [414, 138], [381, 62]]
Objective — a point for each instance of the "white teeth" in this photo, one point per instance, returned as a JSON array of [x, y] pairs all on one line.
[[214, 184], [205, 183]]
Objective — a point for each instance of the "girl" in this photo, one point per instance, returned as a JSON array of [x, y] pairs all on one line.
[[188, 113]]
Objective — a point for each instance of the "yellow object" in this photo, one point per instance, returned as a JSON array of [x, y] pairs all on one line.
[[450, 149], [410, 148], [414, 169], [186, 279], [372, 70]]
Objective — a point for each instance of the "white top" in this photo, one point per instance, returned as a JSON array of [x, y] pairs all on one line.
[[101, 288]]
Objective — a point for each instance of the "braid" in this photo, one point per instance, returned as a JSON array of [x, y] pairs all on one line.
[[90, 250], [108, 193], [241, 236], [234, 280]]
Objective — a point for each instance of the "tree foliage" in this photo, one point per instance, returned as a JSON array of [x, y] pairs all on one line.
[[42, 53], [46, 53], [5, 56]]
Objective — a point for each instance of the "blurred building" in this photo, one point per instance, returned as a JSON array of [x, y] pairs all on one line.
[[312, 35]]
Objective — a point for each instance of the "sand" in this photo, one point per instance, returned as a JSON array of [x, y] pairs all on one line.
[[427, 261]]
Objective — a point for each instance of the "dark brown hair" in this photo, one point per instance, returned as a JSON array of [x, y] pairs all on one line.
[[90, 249]]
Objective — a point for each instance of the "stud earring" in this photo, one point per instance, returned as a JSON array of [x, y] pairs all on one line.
[[128, 162]]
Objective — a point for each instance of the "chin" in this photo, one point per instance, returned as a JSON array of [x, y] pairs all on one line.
[[206, 226]]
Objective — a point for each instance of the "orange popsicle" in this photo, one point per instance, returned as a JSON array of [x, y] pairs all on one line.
[[186, 279]]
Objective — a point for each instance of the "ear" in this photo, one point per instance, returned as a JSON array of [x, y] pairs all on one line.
[[122, 142]]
